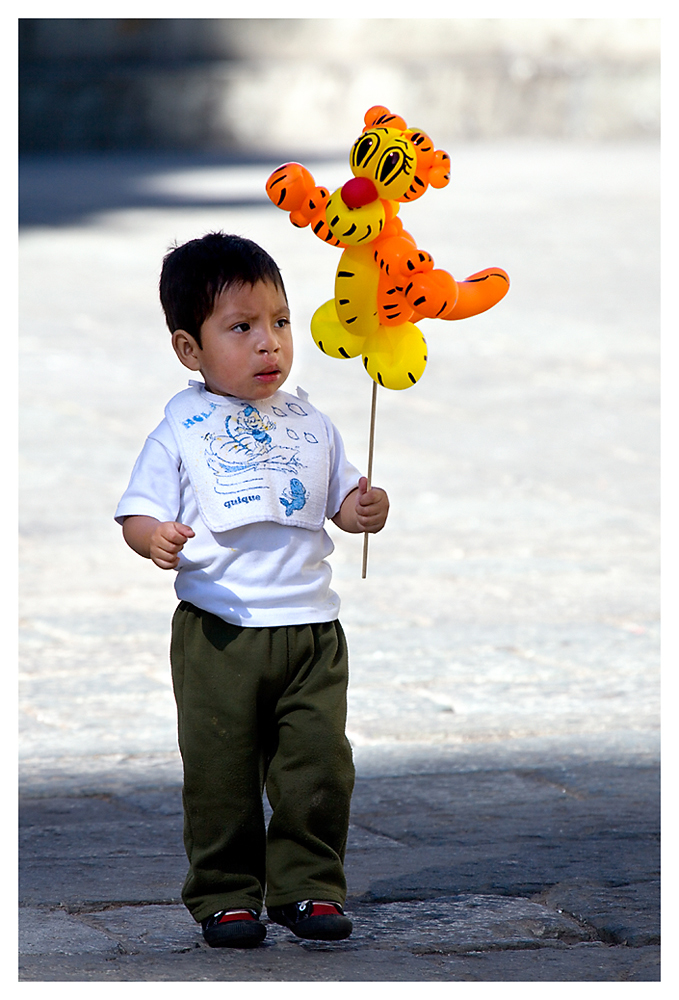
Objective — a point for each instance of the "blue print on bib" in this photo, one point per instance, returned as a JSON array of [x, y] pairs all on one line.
[[295, 497]]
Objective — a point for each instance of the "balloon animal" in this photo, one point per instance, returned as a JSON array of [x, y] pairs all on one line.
[[384, 284]]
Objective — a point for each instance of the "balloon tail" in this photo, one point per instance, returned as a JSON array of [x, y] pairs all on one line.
[[371, 449]]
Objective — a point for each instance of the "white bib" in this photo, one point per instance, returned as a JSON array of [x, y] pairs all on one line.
[[252, 461]]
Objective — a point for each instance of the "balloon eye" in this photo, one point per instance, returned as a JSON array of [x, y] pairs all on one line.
[[388, 164], [362, 149]]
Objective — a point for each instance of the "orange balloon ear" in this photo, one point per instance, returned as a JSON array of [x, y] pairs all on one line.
[[372, 114], [424, 148], [432, 166], [381, 116], [439, 174]]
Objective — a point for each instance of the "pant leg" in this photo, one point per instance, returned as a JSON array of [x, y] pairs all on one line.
[[311, 772], [216, 677], [248, 699]]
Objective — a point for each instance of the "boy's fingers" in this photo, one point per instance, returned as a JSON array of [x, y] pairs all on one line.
[[366, 496], [165, 563], [370, 497], [168, 550], [176, 533], [173, 532], [184, 529], [166, 540]]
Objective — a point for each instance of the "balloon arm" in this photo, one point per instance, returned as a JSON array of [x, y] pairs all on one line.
[[479, 292], [293, 189]]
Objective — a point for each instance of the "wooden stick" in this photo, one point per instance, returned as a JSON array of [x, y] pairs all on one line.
[[371, 448]]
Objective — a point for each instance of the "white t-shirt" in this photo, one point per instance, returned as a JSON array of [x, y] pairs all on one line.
[[262, 574]]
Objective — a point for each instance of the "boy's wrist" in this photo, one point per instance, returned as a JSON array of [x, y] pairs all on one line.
[[138, 530]]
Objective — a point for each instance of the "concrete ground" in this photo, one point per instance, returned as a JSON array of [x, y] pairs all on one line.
[[504, 647]]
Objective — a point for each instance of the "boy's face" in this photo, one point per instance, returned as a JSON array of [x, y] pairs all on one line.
[[246, 343]]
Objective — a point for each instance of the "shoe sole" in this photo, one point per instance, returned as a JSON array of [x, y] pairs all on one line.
[[321, 928], [237, 934]]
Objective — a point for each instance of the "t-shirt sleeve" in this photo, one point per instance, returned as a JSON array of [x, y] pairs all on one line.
[[343, 475], [154, 487]]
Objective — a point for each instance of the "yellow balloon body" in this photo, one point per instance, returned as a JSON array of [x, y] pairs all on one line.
[[393, 356], [331, 337], [347, 326], [356, 281], [396, 356]]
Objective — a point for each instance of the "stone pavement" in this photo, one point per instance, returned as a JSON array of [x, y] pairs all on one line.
[[504, 648]]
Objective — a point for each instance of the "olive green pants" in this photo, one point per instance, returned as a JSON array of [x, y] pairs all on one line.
[[261, 707]]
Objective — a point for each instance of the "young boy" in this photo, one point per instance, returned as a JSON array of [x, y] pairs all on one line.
[[232, 490]]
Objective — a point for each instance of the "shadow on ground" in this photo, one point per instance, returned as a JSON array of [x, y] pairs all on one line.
[[65, 189], [494, 875]]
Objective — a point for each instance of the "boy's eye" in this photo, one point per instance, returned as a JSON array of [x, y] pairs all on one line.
[[283, 321], [241, 327]]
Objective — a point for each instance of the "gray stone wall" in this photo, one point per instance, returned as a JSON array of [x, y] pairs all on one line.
[[262, 84]]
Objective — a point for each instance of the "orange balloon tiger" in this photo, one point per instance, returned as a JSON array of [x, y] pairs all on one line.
[[384, 283]]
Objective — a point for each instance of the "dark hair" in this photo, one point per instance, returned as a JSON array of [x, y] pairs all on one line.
[[194, 274]]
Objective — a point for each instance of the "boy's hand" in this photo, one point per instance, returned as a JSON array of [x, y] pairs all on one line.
[[363, 509], [167, 541], [161, 541], [372, 507]]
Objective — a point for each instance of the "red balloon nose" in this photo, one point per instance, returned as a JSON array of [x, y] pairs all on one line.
[[359, 191]]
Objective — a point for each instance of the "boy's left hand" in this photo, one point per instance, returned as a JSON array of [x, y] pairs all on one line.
[[363, 509], [372, 507]]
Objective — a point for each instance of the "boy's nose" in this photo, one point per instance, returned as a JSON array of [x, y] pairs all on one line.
[[269, 342]]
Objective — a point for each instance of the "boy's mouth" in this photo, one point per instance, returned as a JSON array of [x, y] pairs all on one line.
[[268, 374]]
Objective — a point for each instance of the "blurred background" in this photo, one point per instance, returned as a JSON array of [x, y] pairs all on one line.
[[511, 606], [240, 84]]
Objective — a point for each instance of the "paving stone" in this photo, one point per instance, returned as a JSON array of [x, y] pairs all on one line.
[[623, 914], [442, 926], [285, 959], [467, 923], [143, 929], [47, 933]]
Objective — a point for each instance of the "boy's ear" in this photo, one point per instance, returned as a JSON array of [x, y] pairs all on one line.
[[186, 349]]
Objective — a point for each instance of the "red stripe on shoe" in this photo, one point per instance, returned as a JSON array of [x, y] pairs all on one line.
[[320, 909], [235, 915]]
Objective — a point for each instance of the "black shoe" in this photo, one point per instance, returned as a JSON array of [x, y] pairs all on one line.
[[233, 929], [313, 920]]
